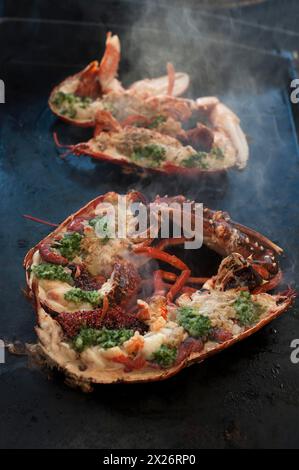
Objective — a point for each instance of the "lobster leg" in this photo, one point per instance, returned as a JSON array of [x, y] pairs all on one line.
[[49, 255], [155, 253], [178, 285], [77, 149], [170, 242], [168, 276], [198, 280], [161, 276], [185, 290]]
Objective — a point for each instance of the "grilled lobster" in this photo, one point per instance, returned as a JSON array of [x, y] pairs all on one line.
[[106, 312]]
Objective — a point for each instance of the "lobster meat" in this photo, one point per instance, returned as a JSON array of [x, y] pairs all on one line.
[[157, 321]]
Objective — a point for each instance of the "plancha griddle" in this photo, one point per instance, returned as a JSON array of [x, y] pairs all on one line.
[[246, 396]]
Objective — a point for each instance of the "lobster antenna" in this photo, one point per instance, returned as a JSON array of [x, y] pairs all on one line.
[[39, 221]]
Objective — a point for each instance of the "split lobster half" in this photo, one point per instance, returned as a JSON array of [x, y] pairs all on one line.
[[108, 311], [148, 125]]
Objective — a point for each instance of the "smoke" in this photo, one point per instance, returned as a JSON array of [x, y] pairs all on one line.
[[160, 35], [249, 80]]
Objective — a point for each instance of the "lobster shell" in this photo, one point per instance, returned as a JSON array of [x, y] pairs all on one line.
[[66, 119], [168, 168], [85, 378]]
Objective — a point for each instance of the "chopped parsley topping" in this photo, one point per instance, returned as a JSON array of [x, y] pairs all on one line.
[[69, 245], [109, 107], [248, 311], [101, 226], [77, 296], [156, 122], [152, 155], [103, 338], [195, 324], [217, 153], [94, 221], [52, 272], [165, 356], [67, 102], [198, 160]]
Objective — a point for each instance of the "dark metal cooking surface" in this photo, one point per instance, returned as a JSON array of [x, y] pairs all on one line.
[[244, 397]]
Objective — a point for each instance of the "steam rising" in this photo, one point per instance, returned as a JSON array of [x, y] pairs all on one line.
[[247, 80]]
